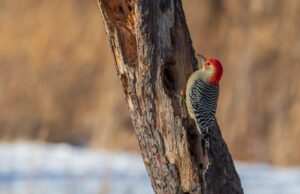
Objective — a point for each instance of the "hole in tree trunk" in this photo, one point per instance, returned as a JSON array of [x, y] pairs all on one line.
[[168, 76], [120, 9], [130, 8]]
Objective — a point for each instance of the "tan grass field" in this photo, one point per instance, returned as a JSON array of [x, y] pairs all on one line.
[[58, 81]]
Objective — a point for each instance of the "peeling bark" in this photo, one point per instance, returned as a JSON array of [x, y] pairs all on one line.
[[154, 57]]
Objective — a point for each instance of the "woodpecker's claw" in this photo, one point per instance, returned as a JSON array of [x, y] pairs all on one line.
[[180, 96], [177, 95]]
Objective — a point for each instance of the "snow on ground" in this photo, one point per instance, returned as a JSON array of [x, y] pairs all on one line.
[[27, 168]]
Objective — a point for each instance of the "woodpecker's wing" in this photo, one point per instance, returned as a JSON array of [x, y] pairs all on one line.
[[204, 99]]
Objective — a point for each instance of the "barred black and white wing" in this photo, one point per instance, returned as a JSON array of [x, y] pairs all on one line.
[[204, 99]]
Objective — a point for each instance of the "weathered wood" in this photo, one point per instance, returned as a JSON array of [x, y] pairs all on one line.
[[154, 57]]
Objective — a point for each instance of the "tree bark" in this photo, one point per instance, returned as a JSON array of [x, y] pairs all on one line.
[[154, 58]]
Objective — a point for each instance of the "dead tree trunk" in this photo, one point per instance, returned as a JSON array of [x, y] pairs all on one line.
[[154, 56]]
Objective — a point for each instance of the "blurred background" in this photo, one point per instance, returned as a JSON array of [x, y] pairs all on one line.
[[58, 82]]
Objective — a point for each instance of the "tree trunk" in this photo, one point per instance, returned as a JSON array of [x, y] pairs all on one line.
[[154, 57]]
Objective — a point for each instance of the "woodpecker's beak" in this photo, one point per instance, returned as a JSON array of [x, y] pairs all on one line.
[[202, 58]]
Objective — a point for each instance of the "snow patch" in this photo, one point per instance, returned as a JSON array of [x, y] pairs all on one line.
[[27, 168]]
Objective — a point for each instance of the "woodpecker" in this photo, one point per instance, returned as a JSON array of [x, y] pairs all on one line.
[[202, 92]]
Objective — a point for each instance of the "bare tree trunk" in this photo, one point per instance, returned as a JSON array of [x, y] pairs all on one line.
[[154, 57]]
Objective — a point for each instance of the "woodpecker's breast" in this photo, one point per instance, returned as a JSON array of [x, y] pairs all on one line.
[[201, 98], [204, 96]]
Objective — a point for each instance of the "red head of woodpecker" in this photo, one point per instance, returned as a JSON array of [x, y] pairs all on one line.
[[212, 70]]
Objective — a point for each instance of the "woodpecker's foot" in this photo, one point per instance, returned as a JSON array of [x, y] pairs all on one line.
[[179, 95]]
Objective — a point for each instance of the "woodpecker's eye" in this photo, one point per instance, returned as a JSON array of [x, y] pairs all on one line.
[[208, 63]]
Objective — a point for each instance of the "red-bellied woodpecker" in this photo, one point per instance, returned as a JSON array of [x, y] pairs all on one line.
[[202, 92]]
